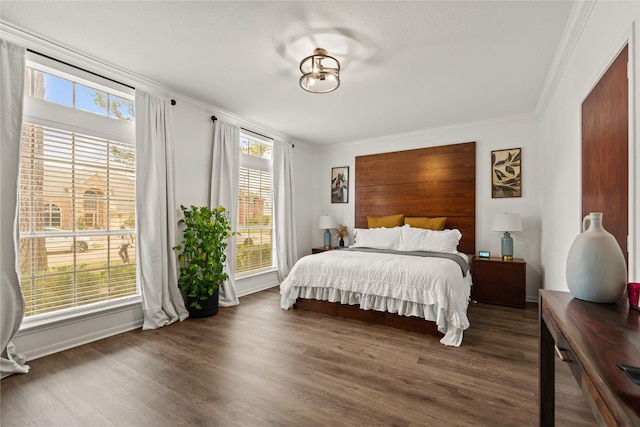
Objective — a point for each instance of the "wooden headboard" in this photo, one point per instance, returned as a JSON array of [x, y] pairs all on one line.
[[427, 182]]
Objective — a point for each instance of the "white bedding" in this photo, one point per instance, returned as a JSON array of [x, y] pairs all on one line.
[[431, 288]]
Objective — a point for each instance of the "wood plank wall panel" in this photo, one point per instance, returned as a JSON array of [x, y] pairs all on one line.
[[434, 181]]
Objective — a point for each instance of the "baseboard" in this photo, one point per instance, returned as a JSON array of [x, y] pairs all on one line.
[[532, 299], [256, 283], [257, 288]]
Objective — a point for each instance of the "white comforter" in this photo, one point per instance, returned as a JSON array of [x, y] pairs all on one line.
[[432, 288]]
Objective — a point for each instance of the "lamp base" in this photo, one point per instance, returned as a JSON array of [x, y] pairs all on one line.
[[327, 239], [507, 247]]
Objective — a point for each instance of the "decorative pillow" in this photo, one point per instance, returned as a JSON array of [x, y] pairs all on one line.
[[388, 221], [424, 222], [419, 239], [378, 238]]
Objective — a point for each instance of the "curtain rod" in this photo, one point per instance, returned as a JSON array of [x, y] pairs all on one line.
[[259, 134], [173, 101], [214, 118], [80, 68]]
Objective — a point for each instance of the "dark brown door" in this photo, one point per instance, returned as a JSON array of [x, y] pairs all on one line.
[[605, 150]]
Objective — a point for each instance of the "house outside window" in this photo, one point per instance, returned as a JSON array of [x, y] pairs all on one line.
[[77, 188], [254, 238]]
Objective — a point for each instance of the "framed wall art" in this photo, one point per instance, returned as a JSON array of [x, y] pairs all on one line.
[[340, 184], [506, 178]]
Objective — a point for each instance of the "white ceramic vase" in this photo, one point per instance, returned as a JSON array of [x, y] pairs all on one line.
[[596, 269]]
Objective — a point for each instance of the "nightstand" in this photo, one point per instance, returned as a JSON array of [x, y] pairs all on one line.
[[499, 282]]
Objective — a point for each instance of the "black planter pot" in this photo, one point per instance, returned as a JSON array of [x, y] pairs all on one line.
[[209, 306]]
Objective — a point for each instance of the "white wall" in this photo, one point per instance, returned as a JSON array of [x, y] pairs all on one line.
[[606, 28], [193, 137], [306, 175], [193, 141], [512, 132]]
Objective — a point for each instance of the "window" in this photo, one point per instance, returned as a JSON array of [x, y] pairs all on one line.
[[91, 210], [51, 215], [254, 238], [77, 189], [50, 87]]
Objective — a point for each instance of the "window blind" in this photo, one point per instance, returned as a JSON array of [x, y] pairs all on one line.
[[77, 202], [254, 238]]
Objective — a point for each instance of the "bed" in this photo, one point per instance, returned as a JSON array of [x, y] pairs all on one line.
[[423, 184], [393, 277]]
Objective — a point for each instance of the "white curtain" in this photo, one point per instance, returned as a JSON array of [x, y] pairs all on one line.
[[12, 64], [224, 192], [284, 211], [156, 213]]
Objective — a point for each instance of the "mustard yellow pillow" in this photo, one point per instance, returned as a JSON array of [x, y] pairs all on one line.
[[428, 223], [388, 221]]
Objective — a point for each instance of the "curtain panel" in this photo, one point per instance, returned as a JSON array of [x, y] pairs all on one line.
[[156, 213], [284, 211], [12, 68], [225, 177]]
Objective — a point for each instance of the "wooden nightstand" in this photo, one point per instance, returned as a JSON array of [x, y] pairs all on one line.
[[499, 282], [319, 250]]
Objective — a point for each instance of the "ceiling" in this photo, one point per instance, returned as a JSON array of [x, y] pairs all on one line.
[[406, 66]]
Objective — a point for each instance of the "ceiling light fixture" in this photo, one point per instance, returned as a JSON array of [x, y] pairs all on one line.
[[320, 72]]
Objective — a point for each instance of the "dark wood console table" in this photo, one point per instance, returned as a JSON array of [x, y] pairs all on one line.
[[592, 338]]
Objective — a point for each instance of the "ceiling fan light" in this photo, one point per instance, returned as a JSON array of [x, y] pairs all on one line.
[[320, 72]]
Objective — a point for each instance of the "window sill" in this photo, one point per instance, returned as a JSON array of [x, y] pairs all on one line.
[[52, 320], [256, 273]]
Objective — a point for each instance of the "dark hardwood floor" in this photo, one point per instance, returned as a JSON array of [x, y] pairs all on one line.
[[258, 365]]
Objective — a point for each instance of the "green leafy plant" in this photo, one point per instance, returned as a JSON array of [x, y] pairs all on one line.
[[201, 252]]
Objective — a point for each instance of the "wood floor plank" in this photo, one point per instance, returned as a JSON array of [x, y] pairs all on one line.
[[259, 365]]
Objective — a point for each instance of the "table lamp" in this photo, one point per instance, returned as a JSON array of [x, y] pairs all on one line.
[[507, 222], [327, 222]]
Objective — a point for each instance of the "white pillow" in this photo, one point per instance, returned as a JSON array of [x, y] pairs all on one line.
[[378, 238], [419, 239]]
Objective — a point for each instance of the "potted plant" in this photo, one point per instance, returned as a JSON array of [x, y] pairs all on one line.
[[202, 257]]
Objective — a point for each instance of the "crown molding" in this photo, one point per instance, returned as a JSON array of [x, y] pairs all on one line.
[[235, 119], [433, 131], [63, 53], [578, 18]]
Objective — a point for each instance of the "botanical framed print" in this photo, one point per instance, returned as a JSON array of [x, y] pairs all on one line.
[[340, 184], [506, 178]]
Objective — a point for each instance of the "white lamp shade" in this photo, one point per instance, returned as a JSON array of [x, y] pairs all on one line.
[[507, 222], [328, 222]]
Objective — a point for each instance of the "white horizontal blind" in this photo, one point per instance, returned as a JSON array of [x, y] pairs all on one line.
[[77, 196], [254, 239]]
